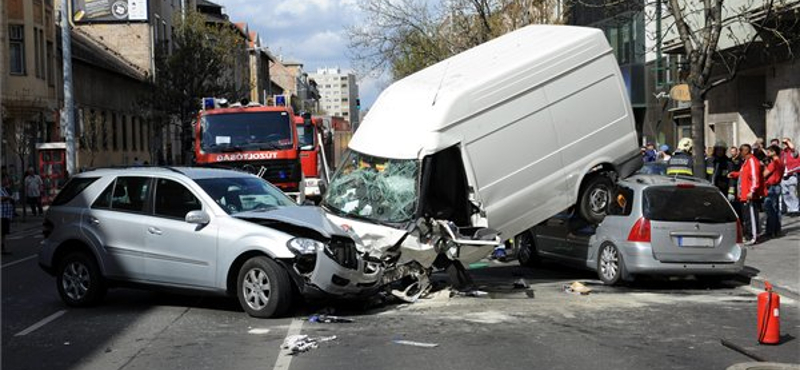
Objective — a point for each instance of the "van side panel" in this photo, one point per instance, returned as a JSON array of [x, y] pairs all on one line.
[[515, 160], [592, 117]]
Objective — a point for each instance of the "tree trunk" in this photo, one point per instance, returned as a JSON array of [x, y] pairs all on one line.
[[698, 132]]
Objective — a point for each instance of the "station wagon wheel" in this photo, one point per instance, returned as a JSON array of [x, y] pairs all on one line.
[[79, 280], [263, 287], [526, 250], [610, 267]]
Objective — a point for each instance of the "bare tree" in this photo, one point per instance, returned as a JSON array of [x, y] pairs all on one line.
[[92, 135], [404, 36]]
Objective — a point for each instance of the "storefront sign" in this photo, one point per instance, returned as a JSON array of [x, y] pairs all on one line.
[[680, 93]]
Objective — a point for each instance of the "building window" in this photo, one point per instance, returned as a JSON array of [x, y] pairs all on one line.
[[142, 136], [133, 133], [16, 37], [345, 114], [344, 78], [104, 129], [51, 73], [124, 132], [114, 132], [344, 85]]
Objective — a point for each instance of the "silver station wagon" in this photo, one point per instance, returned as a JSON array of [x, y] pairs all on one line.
[[209, 230], [656, 225]]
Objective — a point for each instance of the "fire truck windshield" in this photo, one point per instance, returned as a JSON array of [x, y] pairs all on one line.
[[230, 132]]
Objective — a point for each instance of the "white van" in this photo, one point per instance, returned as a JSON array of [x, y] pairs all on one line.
[[504, 135]]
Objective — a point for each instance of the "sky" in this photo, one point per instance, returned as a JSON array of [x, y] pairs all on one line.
[[308, 31]]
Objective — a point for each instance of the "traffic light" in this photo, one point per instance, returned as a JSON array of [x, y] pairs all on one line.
[[358, 103]]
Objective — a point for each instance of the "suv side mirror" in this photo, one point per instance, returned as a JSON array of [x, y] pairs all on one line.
[[198, 217]]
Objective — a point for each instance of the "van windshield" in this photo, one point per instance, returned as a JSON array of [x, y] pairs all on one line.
[[373, 188]]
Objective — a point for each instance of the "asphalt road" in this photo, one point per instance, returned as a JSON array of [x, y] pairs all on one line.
[[653, 324]]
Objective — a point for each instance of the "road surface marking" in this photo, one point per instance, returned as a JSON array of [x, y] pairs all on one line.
[[285, 356], [41, 323], [21, 260]]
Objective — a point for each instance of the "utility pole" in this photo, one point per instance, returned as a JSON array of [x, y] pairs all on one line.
[[69, 103]]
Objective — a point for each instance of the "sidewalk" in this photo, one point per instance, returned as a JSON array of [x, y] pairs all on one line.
[[31, 221], [777, 261]]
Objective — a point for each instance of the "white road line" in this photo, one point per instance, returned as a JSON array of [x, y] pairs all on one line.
[[21, 260], [41, 323], [285, 357]]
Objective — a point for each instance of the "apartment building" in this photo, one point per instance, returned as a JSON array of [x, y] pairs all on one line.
[[338, 94]]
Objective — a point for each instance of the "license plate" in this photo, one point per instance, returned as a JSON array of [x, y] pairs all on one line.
[[690, 241]]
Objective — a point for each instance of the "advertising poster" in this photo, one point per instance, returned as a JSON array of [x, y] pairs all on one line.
[[90, 11]]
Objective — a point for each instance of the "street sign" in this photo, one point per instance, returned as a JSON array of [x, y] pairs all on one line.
[[109, 11], [680, 93]]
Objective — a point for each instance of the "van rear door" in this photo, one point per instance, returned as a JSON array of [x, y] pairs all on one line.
[[690, 224]]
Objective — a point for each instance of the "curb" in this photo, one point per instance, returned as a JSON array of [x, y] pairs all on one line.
[[757, 282]]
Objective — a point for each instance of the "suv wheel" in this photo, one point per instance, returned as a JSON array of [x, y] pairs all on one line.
[[594, 199], [79, 281], [263, 288], [526, 250], [610, 267]]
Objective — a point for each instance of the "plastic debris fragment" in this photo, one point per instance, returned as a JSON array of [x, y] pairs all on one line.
[[328, 319], [301, 343], [521, 284], [577, 288], [415, 344], [258, 331]]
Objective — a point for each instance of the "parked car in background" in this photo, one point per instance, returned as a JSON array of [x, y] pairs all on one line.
[[655, 225], [208, 230]]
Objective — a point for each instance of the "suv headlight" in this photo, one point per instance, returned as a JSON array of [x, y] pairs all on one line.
[[305, 245]]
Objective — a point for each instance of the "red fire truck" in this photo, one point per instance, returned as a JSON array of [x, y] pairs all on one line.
[[312, 155], [252, 137]]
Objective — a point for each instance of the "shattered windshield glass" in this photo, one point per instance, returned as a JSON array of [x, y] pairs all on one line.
[[378, 189]]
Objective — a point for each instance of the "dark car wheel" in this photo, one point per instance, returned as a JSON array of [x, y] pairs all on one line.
[[526, 250], [79, 280], [594, 198], [263, 288], [610, 266]]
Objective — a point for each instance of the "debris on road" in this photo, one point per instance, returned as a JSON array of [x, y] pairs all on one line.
[[415, 344], [302, 343], [258, 331], [521, 284], [329, 319], [478, 265], [471, 293], [577, 288]]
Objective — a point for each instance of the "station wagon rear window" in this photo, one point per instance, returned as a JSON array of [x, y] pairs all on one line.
[[686, 204]]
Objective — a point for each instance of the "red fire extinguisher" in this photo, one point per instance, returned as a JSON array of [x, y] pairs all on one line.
[[769, 323]]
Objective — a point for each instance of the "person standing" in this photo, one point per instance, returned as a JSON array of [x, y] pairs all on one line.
[[791, 163], [681, 161], [773, 175], [33, 191], [750, 184], [663, 154], [6, 211], [649, 154], [718, 166]]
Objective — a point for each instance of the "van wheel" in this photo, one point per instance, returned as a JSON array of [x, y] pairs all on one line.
[[263, 288], [594, 198], [79, 281], [610, 267], [526, 250]]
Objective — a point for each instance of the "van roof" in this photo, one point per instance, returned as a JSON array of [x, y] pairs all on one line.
[[412, 116]]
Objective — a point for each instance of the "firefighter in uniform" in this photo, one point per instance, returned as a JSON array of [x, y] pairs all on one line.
[[718, 166], [681, 161]]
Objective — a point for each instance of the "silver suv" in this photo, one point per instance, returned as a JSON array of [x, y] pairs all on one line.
[[209, 230], [655, 225]]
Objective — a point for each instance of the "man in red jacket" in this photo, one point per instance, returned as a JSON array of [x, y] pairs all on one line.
[[750, 185]]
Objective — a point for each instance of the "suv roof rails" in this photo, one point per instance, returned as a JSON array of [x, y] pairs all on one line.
[[122, 167]]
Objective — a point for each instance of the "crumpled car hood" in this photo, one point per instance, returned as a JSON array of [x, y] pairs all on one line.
[[307, 217]]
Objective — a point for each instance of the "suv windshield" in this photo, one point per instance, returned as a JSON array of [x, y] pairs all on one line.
[[246, 131], [686, 204], [242, 194], [377, 189]]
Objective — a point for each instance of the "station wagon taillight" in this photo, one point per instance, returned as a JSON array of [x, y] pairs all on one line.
[[739, 232], [640, 232]]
